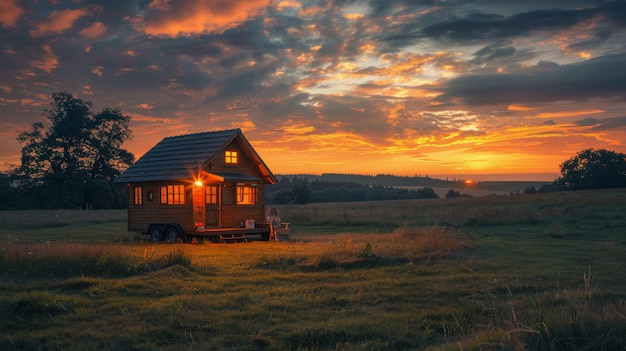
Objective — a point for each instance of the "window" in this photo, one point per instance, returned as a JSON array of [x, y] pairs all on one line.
[[230, 157], [173, 194], [138, 195], [211, 194], [247, 194]]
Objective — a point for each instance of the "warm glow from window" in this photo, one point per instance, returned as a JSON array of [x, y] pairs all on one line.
[[230, 157], [173, 194], [138, 195], [211, 194], [246, 194]]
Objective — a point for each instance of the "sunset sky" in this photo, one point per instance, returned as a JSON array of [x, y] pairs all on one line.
[[446, 88]]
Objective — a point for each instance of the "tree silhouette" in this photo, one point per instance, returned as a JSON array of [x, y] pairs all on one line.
[[593, 169], [74, 162]]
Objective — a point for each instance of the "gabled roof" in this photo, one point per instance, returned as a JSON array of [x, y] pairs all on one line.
[[180, 157]]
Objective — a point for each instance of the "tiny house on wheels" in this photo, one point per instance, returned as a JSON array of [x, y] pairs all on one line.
[[203, 185]]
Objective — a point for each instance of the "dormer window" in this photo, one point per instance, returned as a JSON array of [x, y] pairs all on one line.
[[230, 157]]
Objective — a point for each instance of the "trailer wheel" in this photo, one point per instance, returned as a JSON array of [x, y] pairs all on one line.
[[171, 234], [156, 234]]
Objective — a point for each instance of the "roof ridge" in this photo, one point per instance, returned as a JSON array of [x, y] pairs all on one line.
[[225, 131]]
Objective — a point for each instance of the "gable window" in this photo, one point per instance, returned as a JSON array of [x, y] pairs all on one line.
[[230, 157], [173, 194], [138, 195], [211, 194], [247, 194]]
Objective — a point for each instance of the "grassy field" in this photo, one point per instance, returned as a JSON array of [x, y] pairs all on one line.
[[528, 272]]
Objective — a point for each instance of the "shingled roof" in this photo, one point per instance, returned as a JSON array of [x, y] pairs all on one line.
[[176, 157]]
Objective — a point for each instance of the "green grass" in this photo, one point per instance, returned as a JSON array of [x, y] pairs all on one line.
[[537, 272]]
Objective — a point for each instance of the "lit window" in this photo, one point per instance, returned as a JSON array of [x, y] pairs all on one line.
[[211, 194], [230, 157], [138, 195], [173, 194], [246, 194]]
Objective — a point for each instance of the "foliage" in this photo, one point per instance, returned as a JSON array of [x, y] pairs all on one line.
[[455, 193], [300, 191], [9, 193], [593, 169], [73, 163]]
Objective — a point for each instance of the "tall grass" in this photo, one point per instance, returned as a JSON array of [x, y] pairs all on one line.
[[41, 219], [536, 209], [63, 260]]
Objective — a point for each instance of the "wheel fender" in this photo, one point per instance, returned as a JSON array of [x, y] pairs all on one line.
[[156, 231], [176, 226]]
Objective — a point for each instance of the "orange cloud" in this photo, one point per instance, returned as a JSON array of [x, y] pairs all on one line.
[[97, 70], [568, 113], [58, 21], [145, 106], [183, 18], [49, 61], [288, 4], [246, 125], [297, 128], [87, 90], [93, 31], [520, 108], [9, 13]]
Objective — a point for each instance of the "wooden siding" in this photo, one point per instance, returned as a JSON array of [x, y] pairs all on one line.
[[231, 214], [141, 216]]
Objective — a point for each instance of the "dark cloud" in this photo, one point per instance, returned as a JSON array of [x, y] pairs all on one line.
[[603, 77], [614, 11], [490, 26], [493, 52], [611, 123], [587, 122], [476, 27], [603, 124]]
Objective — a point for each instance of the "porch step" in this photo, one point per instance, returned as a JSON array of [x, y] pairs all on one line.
[[233, 238]]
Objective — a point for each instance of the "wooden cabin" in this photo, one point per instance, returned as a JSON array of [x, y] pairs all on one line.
[[208, 184]]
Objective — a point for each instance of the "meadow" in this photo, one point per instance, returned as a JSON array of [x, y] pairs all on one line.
[[523, 272]]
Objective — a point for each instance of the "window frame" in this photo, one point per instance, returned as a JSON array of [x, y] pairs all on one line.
[[231, 157], [138, 195], [173, 194], [211, 194], [247, 194]]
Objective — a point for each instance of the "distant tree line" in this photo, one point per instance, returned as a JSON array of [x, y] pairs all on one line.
[[297, 190], [388, 180], [73, 162]]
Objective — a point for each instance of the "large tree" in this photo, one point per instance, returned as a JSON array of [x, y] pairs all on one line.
[[593, 169], [74, 162]]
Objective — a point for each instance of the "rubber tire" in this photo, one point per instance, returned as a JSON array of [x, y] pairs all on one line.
[[156, 234], [172, 234]]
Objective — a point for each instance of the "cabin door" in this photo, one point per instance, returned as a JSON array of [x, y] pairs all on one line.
[[212, 205], [198, 206]]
